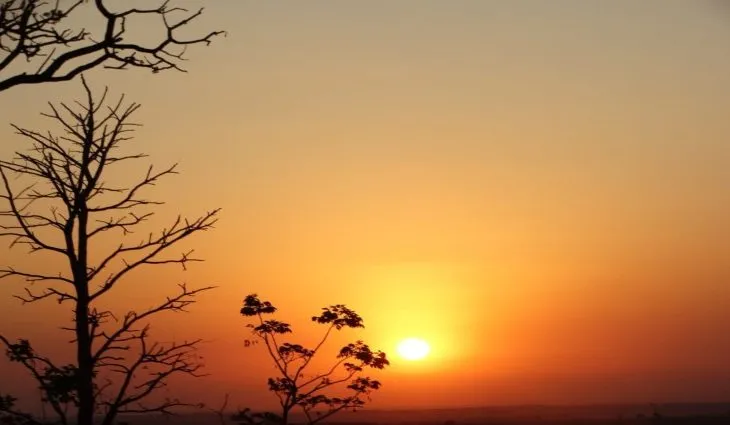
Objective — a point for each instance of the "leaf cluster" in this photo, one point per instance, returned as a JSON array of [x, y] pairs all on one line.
[[319, 394]]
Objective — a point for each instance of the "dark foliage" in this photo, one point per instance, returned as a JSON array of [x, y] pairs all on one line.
[[318, 395]]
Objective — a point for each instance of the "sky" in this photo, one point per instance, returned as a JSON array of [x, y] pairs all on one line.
[[540, 190]]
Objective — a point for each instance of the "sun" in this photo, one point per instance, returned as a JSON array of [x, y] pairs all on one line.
[[413, 349]]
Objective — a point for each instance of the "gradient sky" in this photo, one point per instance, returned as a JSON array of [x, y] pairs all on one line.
[[540, 189]]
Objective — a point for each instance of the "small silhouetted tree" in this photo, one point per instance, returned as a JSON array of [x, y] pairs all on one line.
[[41, 40], [65, 207], [318, 395]]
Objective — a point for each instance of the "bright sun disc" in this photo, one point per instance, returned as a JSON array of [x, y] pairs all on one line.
[[413, 349]]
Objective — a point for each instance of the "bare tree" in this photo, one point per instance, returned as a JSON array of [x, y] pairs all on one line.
[[64, 210], [39, 40], [318, 395]]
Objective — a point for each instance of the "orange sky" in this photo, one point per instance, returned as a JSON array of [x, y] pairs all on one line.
[[539, 189]]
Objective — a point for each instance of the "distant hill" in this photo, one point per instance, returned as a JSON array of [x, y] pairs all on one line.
[[532, 412], [482, 415]]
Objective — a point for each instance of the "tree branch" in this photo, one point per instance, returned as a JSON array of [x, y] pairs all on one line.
[[11, 416], [352, 360], [152, 248], [60, 213], [37, 28], [55, 395]]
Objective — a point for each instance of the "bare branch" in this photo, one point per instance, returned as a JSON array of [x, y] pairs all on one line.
[[33, 277], [62, 211], [23, 233], [221, 411], [160, 362], [31, 29], [152, 248], [127, 330], [46, 293]]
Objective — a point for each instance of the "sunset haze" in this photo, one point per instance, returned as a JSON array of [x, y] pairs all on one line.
[[540, 190]]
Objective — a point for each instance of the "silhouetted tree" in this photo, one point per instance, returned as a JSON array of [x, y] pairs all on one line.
[[64, 207], [312, 393], [41, 40]]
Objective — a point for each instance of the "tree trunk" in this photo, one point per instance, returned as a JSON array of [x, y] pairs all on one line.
[[285, 417], [85, 383], [85, 377]]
